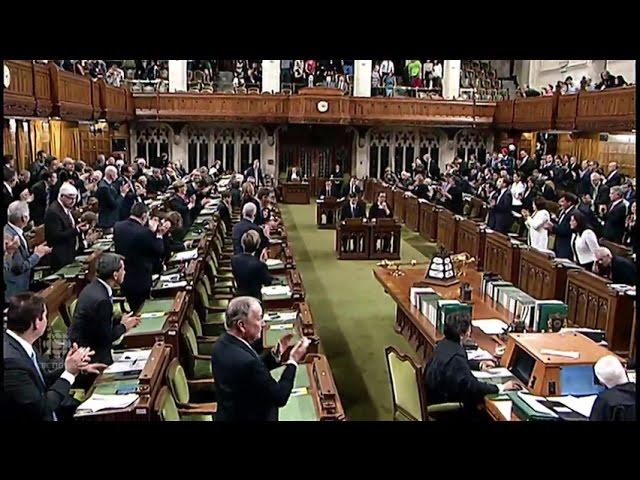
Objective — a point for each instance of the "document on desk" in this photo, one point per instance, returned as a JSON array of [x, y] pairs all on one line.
[[139, 355], [504, 407], [97, 402], [560, 353], [180, 284], [186, 255], [582, 405], [274, 263], [490, 326], [534, 402], [152, 314], [479, 354], [126, 366], [280, 316], [498, 372]]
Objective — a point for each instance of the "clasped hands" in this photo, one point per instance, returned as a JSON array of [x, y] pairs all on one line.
[[299, 350], [78, 358]]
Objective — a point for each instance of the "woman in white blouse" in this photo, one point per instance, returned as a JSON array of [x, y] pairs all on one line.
[[584, 242], [518, 188], [538, 235]]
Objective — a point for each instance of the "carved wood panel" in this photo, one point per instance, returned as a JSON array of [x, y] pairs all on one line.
[[447, 230]]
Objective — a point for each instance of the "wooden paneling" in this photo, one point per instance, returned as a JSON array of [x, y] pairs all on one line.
[[412, 214], [399, 205], [471, 239], [615, 150], [593, 304], [608, 110], [71, 95], [429, 221], [96, 100], [540, 277], [114, 102], [42, 90], [501, 257], [19, 99], [533, 113], [447, 230], [503, 117], [567, 109]]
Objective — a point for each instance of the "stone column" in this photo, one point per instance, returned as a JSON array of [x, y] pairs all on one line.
[[362, 78], [451, 79], [177, 75], [271, 76]]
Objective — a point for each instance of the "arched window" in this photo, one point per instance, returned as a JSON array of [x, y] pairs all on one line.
[[429, 146], [471, 143], [198, 148], [224, 145], [153, 142], [379, 152], [404, 150], [250, 146]]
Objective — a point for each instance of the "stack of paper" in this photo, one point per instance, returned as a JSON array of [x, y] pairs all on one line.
[[97, 402], [274, 263], [183, 256], [276, 291], [490, 326], [494, 373], [139, 355], [280, 316], [582, 405], [133, 365], [479, 354], [180, 284], [534, 402]]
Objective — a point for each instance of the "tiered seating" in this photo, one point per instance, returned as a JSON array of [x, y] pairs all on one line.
[[480, 81]]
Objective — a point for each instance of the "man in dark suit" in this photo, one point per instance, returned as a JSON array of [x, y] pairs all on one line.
[[22, 184], [29, 393], [255, 171], [10, 181], [93, 324], [131, 196], [421, 189], [188, 207], [249, 271], [501, 207], [380, 209], [43, 195], [246, 391], [224, 210], [354, 209], [618, 401], [328, 191], [109, 199], [141, 246], [38, 167], [453, 196], [613, 175], [614, 267], [60, 230], [243, 226], [157, 183], [351, 187], [599, 192], [527, 164], [614, 220], [432, 169], [295, 175], [562, 229], [448, 376]]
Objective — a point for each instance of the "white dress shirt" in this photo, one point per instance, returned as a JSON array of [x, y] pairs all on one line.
[[28, 348], [517, 189]]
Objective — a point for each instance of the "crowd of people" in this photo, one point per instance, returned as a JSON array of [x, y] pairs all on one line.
[[311, 73], [595, 202], [586, 84], [385, 76]]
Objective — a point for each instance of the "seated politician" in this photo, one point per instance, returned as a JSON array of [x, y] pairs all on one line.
[[31, 394], [354, 209], [380, 209], [448, 376], [250, 272], [616, 268], [618, 401], [246, 391]]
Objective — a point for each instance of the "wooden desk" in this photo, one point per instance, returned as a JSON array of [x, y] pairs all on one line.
[[412, 213], [593, 304], [471, 239], [293, 279], [429, 221], [35, 236], [417, 329], [329, 208], [540, 276], [616, 248], [447, 230], [295, 192], [475, 208], [302, 326], [150, 380], [385, 239], [353, 237], [399, 205], [501, 256]]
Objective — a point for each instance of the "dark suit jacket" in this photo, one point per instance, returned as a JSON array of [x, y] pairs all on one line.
[[245, 389], [615, 404], [60, 235], [25, 398], [7, 198], [616, 179], [448, 376], [250, 274], [298, 173], [432, 169], [333, 189], [614, 224], [623, 270], [93, 324], [239, 229], [502, 218], [225, 216], [345, 211], [346, 190], [455, 204], [177, 203], [377, 212], [421, 191], [250, 172], [155, 185], [140, 248], [563, 233], [527, 166], [601, 196], [129, 199], [39, 204], [109, 202]]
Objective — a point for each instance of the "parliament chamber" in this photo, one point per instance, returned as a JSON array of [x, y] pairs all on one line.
[[319, 240]]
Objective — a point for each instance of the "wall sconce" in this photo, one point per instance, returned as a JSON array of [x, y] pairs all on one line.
[[270, 140], [361, 142]]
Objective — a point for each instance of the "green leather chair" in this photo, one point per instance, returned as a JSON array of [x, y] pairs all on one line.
[[182, 389], [205, 340], [408, 396], [198, 364]]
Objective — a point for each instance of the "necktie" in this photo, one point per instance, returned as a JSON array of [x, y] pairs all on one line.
[[35, 364], [353, 211]]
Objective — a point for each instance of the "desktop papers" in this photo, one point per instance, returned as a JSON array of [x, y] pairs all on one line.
[[97, 402], [186, 255], [582, 405], [490, 326]]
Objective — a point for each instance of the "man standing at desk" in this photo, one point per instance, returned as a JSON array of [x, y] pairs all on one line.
[[562, 229], [243, 226], [246, 389], [249, 271]]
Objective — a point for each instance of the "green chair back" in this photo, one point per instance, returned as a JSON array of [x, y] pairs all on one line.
[[406, 387], [166, 406], [196, 324], [177, 381]]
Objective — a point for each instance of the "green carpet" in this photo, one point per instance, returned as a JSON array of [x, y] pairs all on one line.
[[354, 317]]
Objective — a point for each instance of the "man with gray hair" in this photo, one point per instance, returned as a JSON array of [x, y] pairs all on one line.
[[93, 324], [614, 267], [109, 199], [250, 272], [618, 401], [60, 229], [246, 389], [614, 220], [244, 225], [18, 275]]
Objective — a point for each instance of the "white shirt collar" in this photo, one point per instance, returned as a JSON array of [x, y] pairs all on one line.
[[106, 285], [608, 176], [613, 204], [23, 343], [8, 188], [17, 229]]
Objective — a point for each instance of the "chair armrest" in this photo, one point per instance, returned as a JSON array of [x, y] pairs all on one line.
[[206, 339], [444, 407], [201, 408], [223, 296], [201, 382], [198, 356], [216, 309]]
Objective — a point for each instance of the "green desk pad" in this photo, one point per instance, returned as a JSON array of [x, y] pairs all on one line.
[[299, 408], [157, 305], [273, 335], [194, 235], [280, 280], [107, 245], [111, 387], [148, 325], [71, 270]]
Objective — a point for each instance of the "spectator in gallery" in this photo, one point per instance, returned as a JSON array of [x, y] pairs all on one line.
[[387, 69], [427, 73], [342, 84], [115, 75], [437, 74], [571, 86], [298, 70], [375, 79], [310, 67], [389, 85], [414, 68]]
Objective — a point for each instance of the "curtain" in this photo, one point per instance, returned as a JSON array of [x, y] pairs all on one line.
[[22, 146], [586, 146], [8, 140], [55, 137], [64, 139]]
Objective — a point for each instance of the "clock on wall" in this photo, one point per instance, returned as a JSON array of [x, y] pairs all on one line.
[[322, 106], [7, 77]]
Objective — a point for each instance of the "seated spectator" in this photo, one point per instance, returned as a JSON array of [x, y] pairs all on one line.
[[375, 80]]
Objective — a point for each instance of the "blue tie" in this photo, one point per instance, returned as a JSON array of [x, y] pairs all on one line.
[[35, 364]]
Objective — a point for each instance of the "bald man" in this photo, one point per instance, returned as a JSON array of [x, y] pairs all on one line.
[[618, 401], [615, 267]]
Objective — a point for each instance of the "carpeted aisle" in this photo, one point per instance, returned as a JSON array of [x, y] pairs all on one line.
[[354, 317]]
